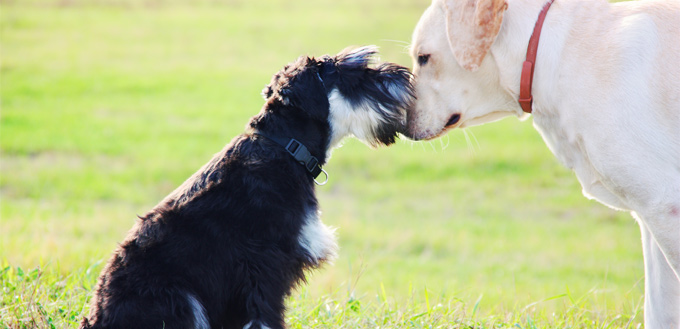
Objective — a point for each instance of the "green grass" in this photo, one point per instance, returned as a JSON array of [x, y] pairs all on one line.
[[107, 106]]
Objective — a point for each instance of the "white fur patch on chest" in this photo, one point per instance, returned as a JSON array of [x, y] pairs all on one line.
[[317, 239]]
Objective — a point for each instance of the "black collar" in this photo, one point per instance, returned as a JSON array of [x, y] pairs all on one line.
[[298, 151]]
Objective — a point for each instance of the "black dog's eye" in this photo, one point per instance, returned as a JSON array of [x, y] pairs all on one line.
[[422, 59]]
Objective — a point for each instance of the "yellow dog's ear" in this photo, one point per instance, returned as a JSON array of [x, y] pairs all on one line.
[[472, 27]]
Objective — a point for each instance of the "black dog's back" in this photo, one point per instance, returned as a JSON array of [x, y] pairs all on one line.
[[226, 237]]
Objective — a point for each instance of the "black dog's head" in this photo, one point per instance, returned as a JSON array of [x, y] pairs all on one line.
[[346, 94]]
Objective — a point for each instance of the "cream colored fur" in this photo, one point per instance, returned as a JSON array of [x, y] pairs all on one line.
[[606, 101]]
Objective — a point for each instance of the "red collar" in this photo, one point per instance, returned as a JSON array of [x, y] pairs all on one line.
[[525, 97]]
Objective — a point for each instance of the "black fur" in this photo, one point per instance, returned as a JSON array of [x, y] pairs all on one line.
[[229, 237]]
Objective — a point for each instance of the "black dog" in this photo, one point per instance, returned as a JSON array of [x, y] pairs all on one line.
[[227, 247]]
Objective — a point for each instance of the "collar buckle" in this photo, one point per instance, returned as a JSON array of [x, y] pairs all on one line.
[[293, 147], [301, 154]]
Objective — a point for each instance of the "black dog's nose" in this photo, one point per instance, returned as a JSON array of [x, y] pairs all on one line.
[[453, 120]]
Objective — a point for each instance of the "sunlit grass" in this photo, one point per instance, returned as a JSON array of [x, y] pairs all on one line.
[[107, 106], [47, 299]]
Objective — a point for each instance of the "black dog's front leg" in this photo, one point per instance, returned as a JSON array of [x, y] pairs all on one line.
[[265, 306]]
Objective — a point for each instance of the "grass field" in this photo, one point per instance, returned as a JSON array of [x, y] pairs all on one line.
[[108, 105]]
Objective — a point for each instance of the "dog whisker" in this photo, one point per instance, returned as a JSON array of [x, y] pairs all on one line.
[[396, 41], [406, 46], [441, 142], [432, 145], [471, 147]]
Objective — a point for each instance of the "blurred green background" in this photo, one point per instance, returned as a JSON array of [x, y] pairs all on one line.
[[108, 105]]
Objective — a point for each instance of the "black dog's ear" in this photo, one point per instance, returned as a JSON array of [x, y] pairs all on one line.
[[306, 91], [299, 85]]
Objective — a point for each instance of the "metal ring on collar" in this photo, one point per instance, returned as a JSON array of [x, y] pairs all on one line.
[[325, 181]]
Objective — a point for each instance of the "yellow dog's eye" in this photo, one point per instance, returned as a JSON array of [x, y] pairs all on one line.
[[423, 58]]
